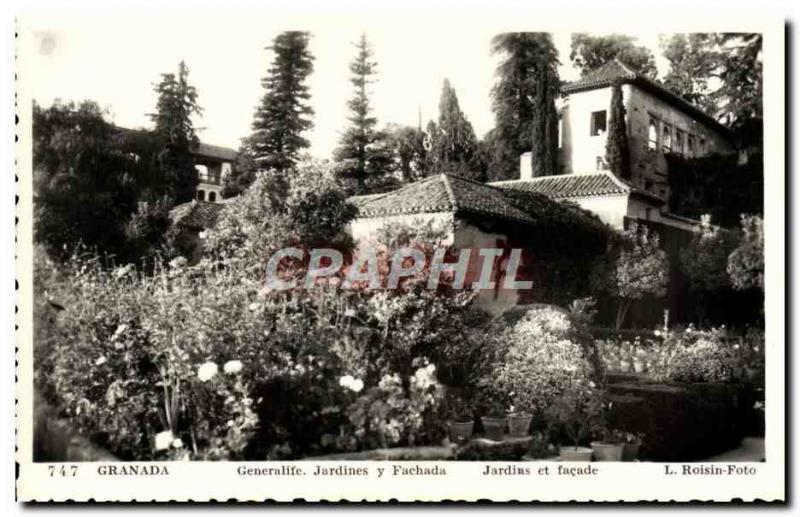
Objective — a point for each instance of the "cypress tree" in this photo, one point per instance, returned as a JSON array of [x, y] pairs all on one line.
[[363, 153], [514, 95], [284, 113], [453, 142], [544, 126], [617, 152], [176, 104]]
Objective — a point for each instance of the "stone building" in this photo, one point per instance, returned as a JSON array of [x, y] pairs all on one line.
[[213, 163]]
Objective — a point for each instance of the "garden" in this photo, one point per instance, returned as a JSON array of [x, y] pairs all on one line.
[[165, 360]]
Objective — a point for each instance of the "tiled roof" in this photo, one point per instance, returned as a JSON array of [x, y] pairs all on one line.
[[196, 215], [573, 185], [616, 70], [443, 193], [216, 151]]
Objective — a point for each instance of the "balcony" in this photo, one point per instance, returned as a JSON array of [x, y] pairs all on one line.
[[213, 179]]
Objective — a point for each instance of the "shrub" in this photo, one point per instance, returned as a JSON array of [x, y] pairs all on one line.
[[535, 358]]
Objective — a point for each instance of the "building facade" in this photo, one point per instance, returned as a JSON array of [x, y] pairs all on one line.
[[213, 163]]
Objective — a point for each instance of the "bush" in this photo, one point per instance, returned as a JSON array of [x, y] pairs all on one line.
[[534, 358]]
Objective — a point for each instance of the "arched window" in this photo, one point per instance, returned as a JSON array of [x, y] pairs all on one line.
[[212, 196], [201, 196], [652, 135]]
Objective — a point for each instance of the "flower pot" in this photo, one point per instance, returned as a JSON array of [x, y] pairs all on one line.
[[461, 431], [518, 424], [574, 454], [607, 451], [494, 428], [630, 451]]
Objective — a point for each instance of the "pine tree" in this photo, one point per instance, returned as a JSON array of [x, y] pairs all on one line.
[[363, 154], [617, 151], [284, 113], [176, 104], [453, 145], [589, 52]]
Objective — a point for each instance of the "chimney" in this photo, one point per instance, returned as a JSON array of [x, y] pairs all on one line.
[[525, 166]]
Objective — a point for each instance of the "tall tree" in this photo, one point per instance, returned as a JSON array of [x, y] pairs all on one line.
[[408, 144], [588, 52], [544, 127], [363, 154], [453, 145], [617, 151], [524, 57], [175, 107], [284, 113], [692, 62], [84, 191]]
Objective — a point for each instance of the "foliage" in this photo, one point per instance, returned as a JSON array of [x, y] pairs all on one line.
[[717, 185], [705, 260], [408, 145], [148, 230], [531, 361], [746, 262], [525, 56], [386, 415], [85, 184], [617, 151], [588, 52], [544, 126], [244, 171], [304, 209], [364, 154], [176, 104], [576, 410], [283, 114], [640, 269], [453, 145], [722, 72]]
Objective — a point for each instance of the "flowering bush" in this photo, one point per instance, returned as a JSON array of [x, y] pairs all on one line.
[[535, 359]]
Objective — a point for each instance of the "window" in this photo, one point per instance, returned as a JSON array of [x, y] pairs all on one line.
[[690, 146], [560, 132], [598, 123], [212, 196], [678, 141], [667, 138], [201, 196], [652, 135]]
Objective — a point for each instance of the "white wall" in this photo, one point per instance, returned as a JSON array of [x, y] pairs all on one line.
[[582, 148], [364, 228], [610, 209]]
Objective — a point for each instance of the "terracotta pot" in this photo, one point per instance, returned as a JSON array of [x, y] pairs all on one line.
[[518, 424], [494, 428], [630, 451], [574, 454], [461, 431], [607, 451]]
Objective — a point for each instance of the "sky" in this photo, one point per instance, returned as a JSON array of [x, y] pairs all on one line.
[[115, 61]]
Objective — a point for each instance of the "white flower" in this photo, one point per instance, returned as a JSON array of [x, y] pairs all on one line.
[[657, 333], [232, 367], [100, 361], [178, 262], [207, 371], [120, 272], [120, 329], [177, 443], [163, 440], [350, 313], [351, 383], [254, 306]]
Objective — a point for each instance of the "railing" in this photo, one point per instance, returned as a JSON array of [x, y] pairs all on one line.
[[214, 179]]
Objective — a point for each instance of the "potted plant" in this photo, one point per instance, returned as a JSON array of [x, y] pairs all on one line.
[[609, 447], [630, 447], [494, 426], [576, 411], [540, 448], [461, 421], [519, 422]]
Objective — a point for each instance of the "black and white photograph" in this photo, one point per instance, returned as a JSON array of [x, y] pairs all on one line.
[[324, 250]]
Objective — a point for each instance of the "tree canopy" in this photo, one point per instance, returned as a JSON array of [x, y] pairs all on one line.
[[588, 52], [453, 145]]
